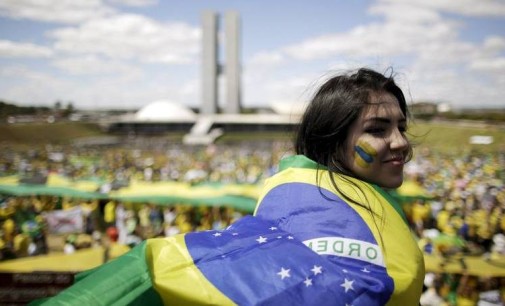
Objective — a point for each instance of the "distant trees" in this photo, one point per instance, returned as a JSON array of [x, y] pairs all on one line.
[[57, 111], [488, 116], [61, 112], [430, 110], [68, 110], [7, 110]]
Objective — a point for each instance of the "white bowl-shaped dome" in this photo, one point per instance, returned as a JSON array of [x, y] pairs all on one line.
[[293, 108], [164, 110]]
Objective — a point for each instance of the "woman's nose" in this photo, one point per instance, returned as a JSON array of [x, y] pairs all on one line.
[[398, 141]]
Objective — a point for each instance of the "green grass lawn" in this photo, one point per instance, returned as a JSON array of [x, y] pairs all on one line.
[[454, 138], [444, 137], [41, 133]]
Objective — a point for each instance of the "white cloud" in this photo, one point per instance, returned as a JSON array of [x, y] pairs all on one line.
[[478, 8], [137, 3], [14, 49], [494, 44], [131, 37], [19, 71], [262, 89], [111, 59], [411, 28], [188, 92], [92, 65], [454, 85], [122, 92], [452, 52], [60, 11], [435, 64], [391, 38], [25, 86], [32, 87], [266, 58], [405, 12], [494, 65]]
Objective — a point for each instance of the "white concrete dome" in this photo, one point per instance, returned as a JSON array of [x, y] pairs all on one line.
[[165, 110], [293, 108]]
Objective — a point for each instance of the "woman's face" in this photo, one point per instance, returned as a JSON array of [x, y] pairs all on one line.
[[376, 147]]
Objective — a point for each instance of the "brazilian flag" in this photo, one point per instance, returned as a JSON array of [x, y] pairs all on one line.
[[307, 245]]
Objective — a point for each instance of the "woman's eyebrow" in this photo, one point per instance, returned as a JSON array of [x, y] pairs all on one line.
[[383, 120]]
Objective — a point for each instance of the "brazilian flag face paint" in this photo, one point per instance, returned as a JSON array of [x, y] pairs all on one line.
[[364, 154]]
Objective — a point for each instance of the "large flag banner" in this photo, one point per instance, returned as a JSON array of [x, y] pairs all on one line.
[[250, 263]]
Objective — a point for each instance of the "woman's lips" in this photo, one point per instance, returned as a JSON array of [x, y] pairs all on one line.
[[397, 161]]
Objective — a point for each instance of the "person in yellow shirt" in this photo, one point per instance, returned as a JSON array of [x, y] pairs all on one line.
[[7, 210], [144, 222], [37, 204], [9, 228], [109, 213], [67, 203], [442, 219], [21, 244], [420, 215]]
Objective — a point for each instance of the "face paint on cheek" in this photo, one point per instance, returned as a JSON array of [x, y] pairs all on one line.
[[364, 154]]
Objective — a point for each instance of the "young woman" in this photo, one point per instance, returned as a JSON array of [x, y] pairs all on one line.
[[325, 231], [351, 145]]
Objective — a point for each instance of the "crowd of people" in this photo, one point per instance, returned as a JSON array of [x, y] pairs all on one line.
[[23, 223], [464, 199], [149, 160], [465, 216], [467, 200]]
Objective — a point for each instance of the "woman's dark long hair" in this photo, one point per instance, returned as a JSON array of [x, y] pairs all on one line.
[[325, 125]]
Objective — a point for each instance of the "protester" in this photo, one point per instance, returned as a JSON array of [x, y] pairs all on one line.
[[351, 144]]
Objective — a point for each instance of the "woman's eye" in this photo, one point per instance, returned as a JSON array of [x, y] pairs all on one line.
[[376, 130]]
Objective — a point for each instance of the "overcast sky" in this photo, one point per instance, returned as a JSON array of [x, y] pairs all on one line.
[[128, 53]]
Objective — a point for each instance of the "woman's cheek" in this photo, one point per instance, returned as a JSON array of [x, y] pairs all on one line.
[[364, 154]]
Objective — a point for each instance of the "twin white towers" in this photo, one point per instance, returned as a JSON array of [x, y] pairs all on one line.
[[211, 69]]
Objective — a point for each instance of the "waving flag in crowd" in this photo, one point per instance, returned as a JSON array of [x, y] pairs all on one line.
[[306, 246], [252, 262]]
